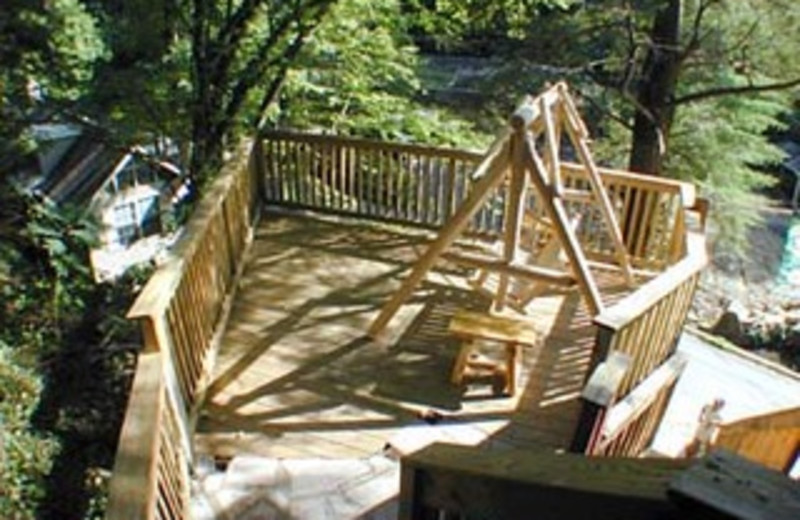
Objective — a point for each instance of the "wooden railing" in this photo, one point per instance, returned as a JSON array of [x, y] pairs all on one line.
[[180, 310], [620, 416], [151, 473], [460, 482], [183, 304], [392, 181], [771, 439], [423, 185], [636, 198]]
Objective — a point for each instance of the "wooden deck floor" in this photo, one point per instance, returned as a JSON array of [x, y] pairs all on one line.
[[296, 376]]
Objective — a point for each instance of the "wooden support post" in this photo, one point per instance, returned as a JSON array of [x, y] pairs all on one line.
[[577, 134], [598, 396], [558, 214], [551, 149], [514, 213], [490, 174]]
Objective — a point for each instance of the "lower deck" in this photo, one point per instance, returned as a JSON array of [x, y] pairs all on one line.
[[296, 376]]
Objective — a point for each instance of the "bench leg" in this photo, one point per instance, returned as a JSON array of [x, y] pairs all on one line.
[[512, 363], [457, 377]]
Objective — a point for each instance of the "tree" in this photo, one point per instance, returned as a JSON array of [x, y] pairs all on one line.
[[239, 50], [671, 73], [358, 75]]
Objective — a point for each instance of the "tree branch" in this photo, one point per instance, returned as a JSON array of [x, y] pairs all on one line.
[[307, 18], [696, 39], [728, 91]]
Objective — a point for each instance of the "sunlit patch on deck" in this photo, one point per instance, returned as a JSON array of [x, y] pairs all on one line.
[[296, 375]]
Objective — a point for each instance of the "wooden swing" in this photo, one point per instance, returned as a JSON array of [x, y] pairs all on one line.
[[527, 157]]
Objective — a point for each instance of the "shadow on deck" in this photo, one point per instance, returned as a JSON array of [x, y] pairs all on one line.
[[296, 376]]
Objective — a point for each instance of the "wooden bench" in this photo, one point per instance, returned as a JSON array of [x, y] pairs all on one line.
[[472, 366]]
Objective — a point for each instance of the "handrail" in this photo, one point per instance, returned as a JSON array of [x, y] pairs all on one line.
[[647, 323], [150, 471], [631, 422], [452, 481], [646, 326], [423, 186], [180, 310], [412, 184]]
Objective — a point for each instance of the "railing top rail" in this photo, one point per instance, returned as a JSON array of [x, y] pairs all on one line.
[[649, 294], [639, 180], [779, 419], [357, 142], [161, 285], [133, 486]]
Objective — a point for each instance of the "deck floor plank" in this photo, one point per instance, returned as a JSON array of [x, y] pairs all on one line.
[[296, 376]]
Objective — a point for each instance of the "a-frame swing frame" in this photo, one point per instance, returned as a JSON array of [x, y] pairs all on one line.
[[514, 158]]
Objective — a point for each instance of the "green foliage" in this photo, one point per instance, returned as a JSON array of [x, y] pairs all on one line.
[[718, 144], [25, 456], [47, 49], [716, 136], [358, 75], [477, 25]]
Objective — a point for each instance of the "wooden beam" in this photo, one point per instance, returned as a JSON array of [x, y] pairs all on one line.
[[551, 148], [519, 270], [514, 214], [578, 137], [527, 116], [133, 488], [627, 410], [558, 214], [449, 481], [490, 173], [603, 384], [725, 486]]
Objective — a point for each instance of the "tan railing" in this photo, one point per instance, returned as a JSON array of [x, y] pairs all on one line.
[[636, 199], [771, 439], [423, 185], [151, 475], [645, 328], [391, 181], [181, 307], [179, 310]]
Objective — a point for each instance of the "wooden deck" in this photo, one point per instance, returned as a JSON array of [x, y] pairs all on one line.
[[296, 376]]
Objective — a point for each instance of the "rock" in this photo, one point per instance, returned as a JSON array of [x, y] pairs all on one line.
[[731, 325]]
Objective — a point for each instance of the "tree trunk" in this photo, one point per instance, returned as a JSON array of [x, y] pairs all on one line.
[[656, 90]]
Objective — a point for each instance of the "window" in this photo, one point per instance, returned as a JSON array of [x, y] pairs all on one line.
[[133, 220], [125, 223], [147, 212]]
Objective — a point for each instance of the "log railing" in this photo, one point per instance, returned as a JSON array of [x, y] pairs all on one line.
[[180, 310], [644, 327]]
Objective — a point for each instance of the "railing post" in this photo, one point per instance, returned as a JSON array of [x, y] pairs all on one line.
[[257, 192], [134, 486], [156, 329], [598, 396]]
